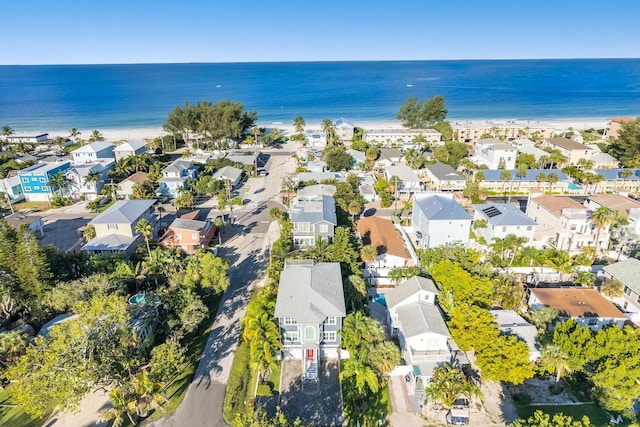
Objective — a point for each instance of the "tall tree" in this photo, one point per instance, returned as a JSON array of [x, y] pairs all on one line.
[[329, 129], [75, 134], [601, 217], [299, 124], [421, 114], [145, 228]]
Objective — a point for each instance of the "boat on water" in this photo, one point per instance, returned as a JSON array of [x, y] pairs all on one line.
[[409, 85]]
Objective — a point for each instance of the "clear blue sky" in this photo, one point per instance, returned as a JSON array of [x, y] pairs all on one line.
[[139, 31]]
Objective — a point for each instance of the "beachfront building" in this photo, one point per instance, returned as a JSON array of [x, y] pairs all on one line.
[[80, 183], [409, 181], [471, 132], [402, 137], [614, 125], [125, 187], [627, 272], [344, 129], [175, 177], [618, 202], [313, 220], [115, 228], [585, 305], [310, 308], [572, 150], [96, 152], [495, 183], [512, 324], [565, 224], [28, 138], [190, 232], [415, 319], [36, 180], [315, 139], [443, 177], [437, 220], [503, 219], [130, 148], [494, 154], [391, 249], [617, 180]]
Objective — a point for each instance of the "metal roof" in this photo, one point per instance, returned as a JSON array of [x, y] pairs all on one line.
[[440, 207], [503, 214]]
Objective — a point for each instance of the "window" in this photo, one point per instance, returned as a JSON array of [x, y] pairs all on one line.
[[178, 236], [330, 336], [45, 188], [593, 322], [573, 227], [112, 226], [310, 333], [638, 299], [290, 321], [504, 229], [194, 236], [36, 187], [331, 320], [27, 188], [529, 228], [42, 180], [324, 228], [291, 336], [627, 290]]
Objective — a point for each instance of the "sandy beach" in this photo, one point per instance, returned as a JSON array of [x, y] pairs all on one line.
[[136, 134]]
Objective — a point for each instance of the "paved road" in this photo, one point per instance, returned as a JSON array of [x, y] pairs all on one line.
[[244, 247]]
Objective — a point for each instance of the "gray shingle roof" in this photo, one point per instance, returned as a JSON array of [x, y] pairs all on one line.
[[228, 172], [405, 173], [408, 288], [130, 146], [445, 172], [188, 224], [503, 214], [124, 212], [314, 211], [437, 206], [627, 271], [93, 147], [420, 318], [177, 166], [511, 323], [311, 293]]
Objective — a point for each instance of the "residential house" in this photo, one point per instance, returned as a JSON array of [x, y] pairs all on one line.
[[175, 177], [344, 129], [415, 319], [614, 125], [36, 180], [495, 154], [316, 192], [246, 158], [391, 248], [318, 177], [387, 157], [125, 187], [569, 148], [503, 219], [358, 157], [402, 137], [527, 146], [79, 186], [29, 138], [615, 180], [627, 272], [115, 227], [512, 324], [130, 148], [437, 220], [604, 161], [315, 139], [310, 309], [99, 151], [617, 202], [229, 174], [190, 232], [493, 181], [313, 220], [35, 223], [11, 187], [564, 223], [586, 305], [443, 177], [409, 181], [316, 166]]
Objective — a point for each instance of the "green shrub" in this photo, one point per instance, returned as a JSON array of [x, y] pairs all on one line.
[[521, 399], [238, 384], [59, 201]]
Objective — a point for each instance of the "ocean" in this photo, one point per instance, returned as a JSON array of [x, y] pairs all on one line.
[[42, 98]]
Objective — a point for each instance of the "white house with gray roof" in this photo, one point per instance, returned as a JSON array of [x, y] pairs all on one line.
[[444, 178], [310, 309], [175, 177], [437, 220], [130, 148], [512, 324], [628, 273], [116, 227], [100, 151], [415, 318], [495, 154], [316, 192], [229, 173], [312, 220], [409, 181], [503, 219]]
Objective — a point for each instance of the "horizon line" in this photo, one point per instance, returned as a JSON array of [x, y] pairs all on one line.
[[324, 61]]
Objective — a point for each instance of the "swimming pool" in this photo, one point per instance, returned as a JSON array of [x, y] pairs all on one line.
[[573, 186], [380, 299]]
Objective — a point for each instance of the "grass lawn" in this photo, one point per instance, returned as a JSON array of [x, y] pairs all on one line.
[[14, 415], [177, 389], [595, 413], [32, 206], [274, 379]]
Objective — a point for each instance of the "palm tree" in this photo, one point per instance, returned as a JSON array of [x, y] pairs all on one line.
[[554, 359], [121, 405], [12, 345], [396, 275], [521, 172], [505, 175], [75, 134], [6, 131], [96, 136], [319, 252], [57, 181], [329, 129], [364, 376], [147, 393], [612, 288], [552, 179], [355, 290], [263, 334], [543, 317], [561, 262], [368, 254], [354, 208], [93, 177], [624, 174], [541, 178], [145, 228], [395, 183], [299, 124], [601, 217], [448, 384], [359, 330]]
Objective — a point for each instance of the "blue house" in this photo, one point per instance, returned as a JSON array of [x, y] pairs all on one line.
[[175, 176], [35, 180]]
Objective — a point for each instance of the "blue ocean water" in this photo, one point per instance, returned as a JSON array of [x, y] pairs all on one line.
[[35, 98]]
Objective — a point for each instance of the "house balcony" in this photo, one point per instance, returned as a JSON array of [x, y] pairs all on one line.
[[428, 356]]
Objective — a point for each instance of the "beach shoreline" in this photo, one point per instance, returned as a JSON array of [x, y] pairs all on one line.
[[132, 134]]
